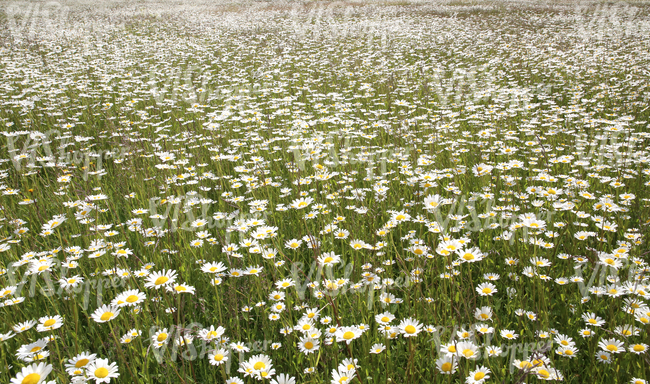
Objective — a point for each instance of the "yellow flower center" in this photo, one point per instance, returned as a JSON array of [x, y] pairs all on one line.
[[132, 299], [161, 337], [348, 335], [385, 319], [161, 280], [479, 375], [410, 329], [612, 347], [32, 378], [487, 290], [49, 323], [106, 316], [638, 348], [446, 367], [180, 288], [309, 345], [81, 363], [101, 372], [259, 365], [468, 353], [452, 349], [218, 357]]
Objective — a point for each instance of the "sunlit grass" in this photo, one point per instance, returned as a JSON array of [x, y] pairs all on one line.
[[393, 192]]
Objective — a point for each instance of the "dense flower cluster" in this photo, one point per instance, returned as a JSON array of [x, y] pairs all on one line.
[[417, 192]]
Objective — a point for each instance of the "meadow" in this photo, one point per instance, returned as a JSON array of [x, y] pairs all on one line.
[[324, 192]]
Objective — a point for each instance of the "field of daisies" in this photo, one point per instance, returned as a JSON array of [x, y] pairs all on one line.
[[324, 192]]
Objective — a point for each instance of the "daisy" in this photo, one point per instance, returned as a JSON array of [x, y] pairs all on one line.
[[131, 298], [48, 323], [293, 244], [312, 313], [342, 377], [470, 255], [301, 203], [567, 351], [180, 288], [101, 371], [483, 314], [210, 334], [283, 379], [638, 348], [329, 259], [160, 338], [586, 332], [308, 345], [410, 327], [604, 357], [341, 234], [304, 325], [239, 347], [467, 350], [160, 279], [259, 363], [75, 366], [508, 334], [71, 282], [483, 328], [33, 374], [377, 348], [284, 284], [255, 270], [35, 356], [218, 356], [347, 334], [384, 318], [24, 326], [478, 376], [105, 313], [611, 346], [32, 348], [591, 319], [486, 289], [493, 351], [447, 365]]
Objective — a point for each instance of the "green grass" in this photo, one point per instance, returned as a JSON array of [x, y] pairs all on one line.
[[276, 103]]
